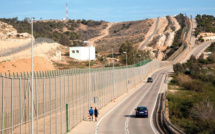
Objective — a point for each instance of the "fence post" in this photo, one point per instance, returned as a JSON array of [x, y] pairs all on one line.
[[35, 75], [50, 81], [61, 102], [67, 123], [73, 100], [40, 73], [44, 105], [29, 112], [56, 102], [69, 100], [43, 75], [20, 99], [37, 104], [76, 83], [3, 104], [80, 92], [12, 105], [64, 88]]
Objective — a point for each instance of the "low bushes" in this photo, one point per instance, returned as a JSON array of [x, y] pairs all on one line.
[[192, 106]]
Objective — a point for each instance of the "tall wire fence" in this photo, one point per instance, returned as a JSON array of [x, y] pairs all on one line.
[[78, 90]]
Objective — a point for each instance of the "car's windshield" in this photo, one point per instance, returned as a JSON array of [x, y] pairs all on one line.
[[141, 108]]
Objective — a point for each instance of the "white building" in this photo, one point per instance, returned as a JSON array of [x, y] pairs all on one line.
[[82, 53]]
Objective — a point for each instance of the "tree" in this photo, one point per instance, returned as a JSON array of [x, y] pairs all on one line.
[[178, 68], [201, 39], [195, 69], [128, 48]]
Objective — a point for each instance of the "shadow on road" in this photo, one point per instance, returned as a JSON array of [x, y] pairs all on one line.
[[133, 116]]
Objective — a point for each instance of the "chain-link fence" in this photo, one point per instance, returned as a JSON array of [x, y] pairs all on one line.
[[79, 90]]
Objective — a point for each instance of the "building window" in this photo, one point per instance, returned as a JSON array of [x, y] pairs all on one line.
[[77, 51], [73, 51]]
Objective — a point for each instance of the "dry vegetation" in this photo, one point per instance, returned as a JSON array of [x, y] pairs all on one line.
[[133, 31], [192, 106]]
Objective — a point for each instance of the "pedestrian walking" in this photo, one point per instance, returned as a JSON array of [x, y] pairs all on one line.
[[91, 113], [96, 113]]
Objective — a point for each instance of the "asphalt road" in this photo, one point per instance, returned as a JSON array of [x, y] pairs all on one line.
[[201, 48], [122, 120]]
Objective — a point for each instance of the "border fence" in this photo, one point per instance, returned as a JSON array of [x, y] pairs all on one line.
[[54, 92]]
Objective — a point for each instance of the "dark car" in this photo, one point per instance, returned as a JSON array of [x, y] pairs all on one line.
[[149, 79], [142, 111]]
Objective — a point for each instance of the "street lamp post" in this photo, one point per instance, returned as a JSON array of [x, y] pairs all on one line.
[[139, 65], [134, 59], [126, 70], [114, 92], [89, 97], [32, 77]]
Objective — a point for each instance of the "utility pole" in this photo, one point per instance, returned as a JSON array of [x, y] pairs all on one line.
[[32, 77], [89, 97]]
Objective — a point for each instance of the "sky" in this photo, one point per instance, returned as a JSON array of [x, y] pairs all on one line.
[[107, 10]]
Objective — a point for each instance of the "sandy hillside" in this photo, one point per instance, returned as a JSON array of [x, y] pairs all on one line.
[[21, 62], [24, 65], [9, 38], [6, 45], [151, 30], [163, 23], [39, 50]]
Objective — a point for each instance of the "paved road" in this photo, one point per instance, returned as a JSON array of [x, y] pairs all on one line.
[[201, 48], [122, 119]]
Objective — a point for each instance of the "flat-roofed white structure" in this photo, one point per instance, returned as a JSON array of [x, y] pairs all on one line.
[[82, 53]]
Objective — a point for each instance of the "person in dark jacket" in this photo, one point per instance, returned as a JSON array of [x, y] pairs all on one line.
[[96, 113]]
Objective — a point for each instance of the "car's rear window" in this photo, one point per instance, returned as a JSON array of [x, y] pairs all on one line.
[[149, 78], [141, 108]]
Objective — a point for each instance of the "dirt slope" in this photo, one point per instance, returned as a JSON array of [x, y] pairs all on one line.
[[21, 62], [151, 30], [103, 33], [24, 65]]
